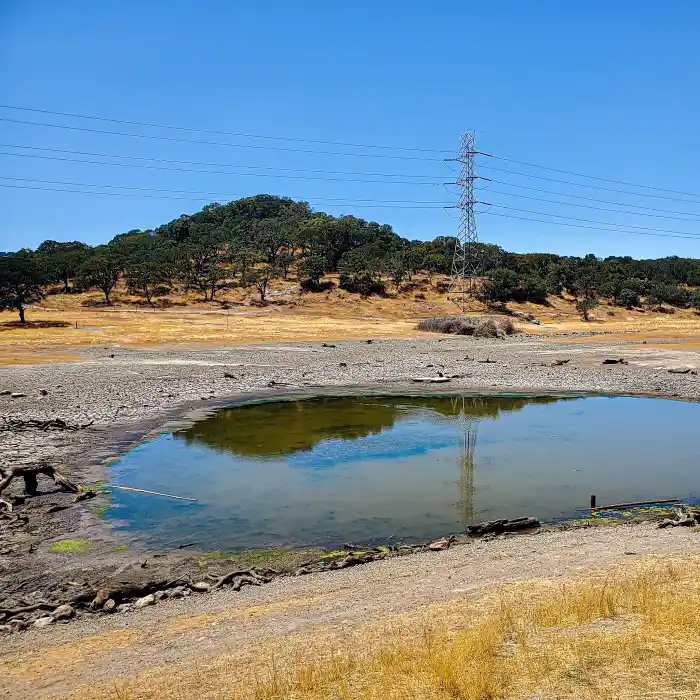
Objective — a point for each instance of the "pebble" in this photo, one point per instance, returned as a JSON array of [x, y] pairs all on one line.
[[146, 600], [201, 586], [101, 597], [44, 622], [110, 606], [63, 612], [124, 607]]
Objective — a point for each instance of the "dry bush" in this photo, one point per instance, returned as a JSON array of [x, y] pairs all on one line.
[[479, 326]]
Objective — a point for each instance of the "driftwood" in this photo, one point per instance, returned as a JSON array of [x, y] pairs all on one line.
[[431, 380], [682, 370], [620, 361], [503, 525], [251, 577], [30, 474], [17, 425], [684, 516], [558, 363]]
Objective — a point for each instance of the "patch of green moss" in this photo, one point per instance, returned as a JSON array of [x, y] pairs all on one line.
[[73, 546], [120, 548]]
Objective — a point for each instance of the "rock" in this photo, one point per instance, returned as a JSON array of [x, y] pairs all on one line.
[[44, 621], [177, 592], [101, 597], [63, 612], [19, 624], [110, 606], [43, 392], [159, 595], [441, 544], [146, 600], [228, 375], [6, 628], [201, 586], [124, 607], [17, 395]]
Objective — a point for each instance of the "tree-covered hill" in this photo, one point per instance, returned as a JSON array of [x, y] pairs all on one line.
[[251, 241]]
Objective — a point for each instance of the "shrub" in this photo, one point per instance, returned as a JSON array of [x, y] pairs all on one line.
[[482, 327], [362, 283]]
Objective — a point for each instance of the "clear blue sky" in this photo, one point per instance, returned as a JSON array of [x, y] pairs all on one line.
[[605, 88]]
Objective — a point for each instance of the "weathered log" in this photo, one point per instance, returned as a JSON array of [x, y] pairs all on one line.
[[29, 474], [431, 380], [620, 361], [503, 525], [231, 575], [41, 605]]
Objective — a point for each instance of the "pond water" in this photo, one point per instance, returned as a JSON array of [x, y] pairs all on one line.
[[328, 470]]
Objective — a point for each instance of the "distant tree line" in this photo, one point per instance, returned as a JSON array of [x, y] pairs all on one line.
[[252, 241]]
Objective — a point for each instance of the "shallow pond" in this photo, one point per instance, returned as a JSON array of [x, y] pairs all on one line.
[[324, 471]]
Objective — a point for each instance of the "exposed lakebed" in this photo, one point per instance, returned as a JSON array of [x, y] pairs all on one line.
[[327, 470]]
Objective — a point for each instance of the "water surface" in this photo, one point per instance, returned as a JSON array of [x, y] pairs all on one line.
[[324, 471]]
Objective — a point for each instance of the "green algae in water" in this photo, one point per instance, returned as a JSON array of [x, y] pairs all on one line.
[[321, 472]]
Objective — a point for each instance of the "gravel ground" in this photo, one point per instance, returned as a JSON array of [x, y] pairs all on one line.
[[131, 394]]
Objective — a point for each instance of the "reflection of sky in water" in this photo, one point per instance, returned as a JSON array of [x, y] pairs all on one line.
[[404, 480]]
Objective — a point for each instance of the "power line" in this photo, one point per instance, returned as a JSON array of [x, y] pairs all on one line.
[[212, 143], [590, 221], [201, 199], [220, 133], [590, 228], [588, 206], [594, 187], [594, 177], [594, 199], [196, 162], [219, 172], [211, 194]]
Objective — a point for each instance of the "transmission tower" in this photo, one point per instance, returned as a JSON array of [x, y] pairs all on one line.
[[465, 263]]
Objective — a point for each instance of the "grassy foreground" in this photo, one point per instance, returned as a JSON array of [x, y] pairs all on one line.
[[628, 633]]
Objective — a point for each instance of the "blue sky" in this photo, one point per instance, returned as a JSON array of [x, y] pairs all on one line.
[[600, 88]]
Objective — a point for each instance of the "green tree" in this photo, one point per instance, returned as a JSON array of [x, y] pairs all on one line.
[[144, 277], [585, 306], [22, 277], [62, 260], [360, 270], [695, 299], [260, 278], [101, 269], [311, 269]]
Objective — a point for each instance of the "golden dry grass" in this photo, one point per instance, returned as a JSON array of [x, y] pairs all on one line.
[[64, 322], [626, 634]]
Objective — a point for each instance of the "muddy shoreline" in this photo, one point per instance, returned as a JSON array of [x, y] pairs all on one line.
[[133, 395]]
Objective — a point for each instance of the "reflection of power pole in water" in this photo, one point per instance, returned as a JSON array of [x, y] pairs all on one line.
[[467, 445]]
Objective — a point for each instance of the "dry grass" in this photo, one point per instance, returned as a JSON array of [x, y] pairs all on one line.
[[65, 322], [627, 634]]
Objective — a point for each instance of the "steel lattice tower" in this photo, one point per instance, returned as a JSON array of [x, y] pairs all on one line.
[[465, 263]]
